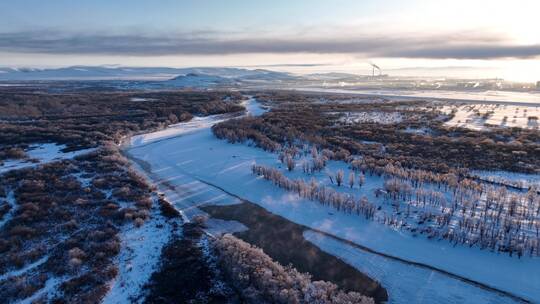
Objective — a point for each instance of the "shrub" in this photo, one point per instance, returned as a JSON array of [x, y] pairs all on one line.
[[23, 232], [138, 222]]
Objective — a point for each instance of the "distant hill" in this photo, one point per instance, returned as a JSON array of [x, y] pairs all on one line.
[[193, 80], [138, 73]]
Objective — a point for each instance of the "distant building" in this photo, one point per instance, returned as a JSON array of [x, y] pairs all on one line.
[[538, 85]]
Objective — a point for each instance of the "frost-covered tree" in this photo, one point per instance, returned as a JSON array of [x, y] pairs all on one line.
[[361, 179], [289, 161], [262, 280], [339, 177], [351, 179]]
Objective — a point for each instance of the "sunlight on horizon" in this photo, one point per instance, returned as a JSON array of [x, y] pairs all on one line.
[[479, 39]]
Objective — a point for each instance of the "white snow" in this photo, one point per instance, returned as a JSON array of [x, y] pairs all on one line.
[[407, 283], [177, 129], [10, 199], [25, 269], [253, 107], [520, 180], [480, 116], [371, 117], [140, 99], [138, 259], [41, 153], [50, 288], [199, 155]]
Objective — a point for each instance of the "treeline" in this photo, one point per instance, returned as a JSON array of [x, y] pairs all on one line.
[[312, 191], [21, 104], [262, 280]]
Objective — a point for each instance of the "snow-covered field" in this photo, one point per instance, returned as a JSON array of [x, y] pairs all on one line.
[[371, 117], [40, 154], [191, 161], [478, 116]]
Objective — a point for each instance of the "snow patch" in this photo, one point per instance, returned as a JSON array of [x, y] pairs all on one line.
[[371, 117], [10, 199], [138, 258], [481, 116], [39, 154]]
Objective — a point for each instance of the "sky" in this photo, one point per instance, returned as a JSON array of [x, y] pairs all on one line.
[[457, 38]]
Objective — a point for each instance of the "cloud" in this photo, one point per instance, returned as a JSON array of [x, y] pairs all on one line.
[[457, 46]]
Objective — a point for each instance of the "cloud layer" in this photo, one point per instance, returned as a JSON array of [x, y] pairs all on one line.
[[457, 46]]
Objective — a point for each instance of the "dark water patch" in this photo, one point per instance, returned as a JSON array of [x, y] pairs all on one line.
[[284, 242]]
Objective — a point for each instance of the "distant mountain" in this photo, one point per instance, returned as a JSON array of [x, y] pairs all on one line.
[[87, 73], [137, 73], [266, 75], [193, 80]]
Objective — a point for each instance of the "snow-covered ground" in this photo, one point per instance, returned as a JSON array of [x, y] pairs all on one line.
[[520, 180], [40, 154], [371, 117], [50, 288], [477, 116], [10, 200], [25, 269], [140, 253], [407, 283], [195, 161], [139, 258]]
